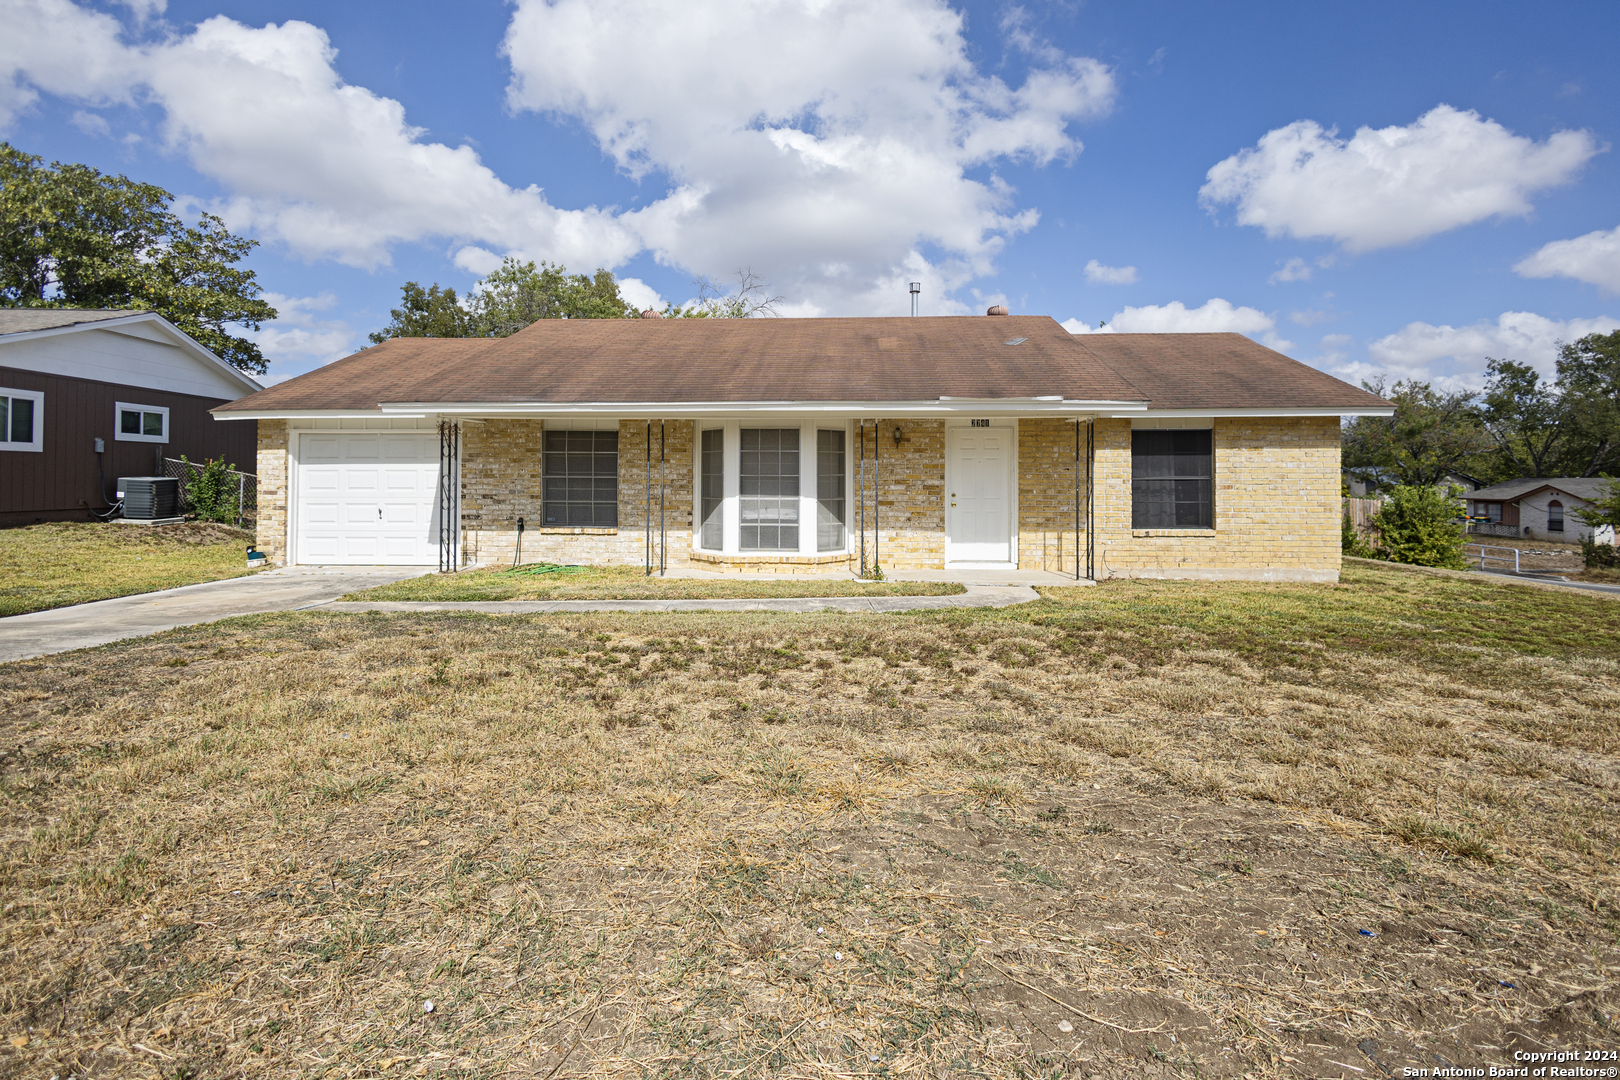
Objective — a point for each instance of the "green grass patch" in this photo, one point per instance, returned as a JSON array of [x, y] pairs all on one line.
[[55, 565], [1382, 610], [549, 581]]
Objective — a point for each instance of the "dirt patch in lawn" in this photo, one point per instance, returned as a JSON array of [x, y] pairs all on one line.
[[55, 565], [1146, 829], [547, 581]]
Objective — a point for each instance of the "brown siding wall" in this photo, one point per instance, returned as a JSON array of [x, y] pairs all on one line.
[[61, 483]]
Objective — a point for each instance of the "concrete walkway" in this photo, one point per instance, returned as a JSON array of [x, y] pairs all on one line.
[[41, 633], [976, 596]]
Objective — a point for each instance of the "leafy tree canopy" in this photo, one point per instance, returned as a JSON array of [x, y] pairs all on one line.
[[1589, 376], [510, 298], [1432, 433], [73, 237]]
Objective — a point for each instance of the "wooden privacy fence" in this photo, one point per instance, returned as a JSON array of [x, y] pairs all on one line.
[[1360, 512]]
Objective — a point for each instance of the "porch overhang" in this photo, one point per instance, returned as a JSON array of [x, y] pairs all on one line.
[[944, 407]]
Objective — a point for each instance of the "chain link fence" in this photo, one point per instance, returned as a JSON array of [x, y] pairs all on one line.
[[247, 489]]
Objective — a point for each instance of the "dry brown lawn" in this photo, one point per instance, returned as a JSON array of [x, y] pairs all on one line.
[[1143, 829]]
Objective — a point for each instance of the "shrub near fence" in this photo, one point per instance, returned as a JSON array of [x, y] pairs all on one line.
[[225, 485]]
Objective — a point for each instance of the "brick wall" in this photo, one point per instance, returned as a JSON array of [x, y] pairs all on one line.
[[1276, 501], [910, 485], [501, 481], [1047, 538], [1276, 506], [271, 466]]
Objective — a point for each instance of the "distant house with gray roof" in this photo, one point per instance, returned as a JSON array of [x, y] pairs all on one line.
[[1541, 507]]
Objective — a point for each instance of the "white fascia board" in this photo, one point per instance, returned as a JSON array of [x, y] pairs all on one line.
[[317, 414], [1201, 414], [849, 409], [184, 340]]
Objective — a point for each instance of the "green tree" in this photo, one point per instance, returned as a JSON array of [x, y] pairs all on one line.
[[1528, 418], [1432, 433], [1418, 525], [510, 298], [1589, 375], [520, 293], [430, 312], [71, 236]]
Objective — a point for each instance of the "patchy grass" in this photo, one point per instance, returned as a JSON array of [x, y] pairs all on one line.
[[1142, 829], [547, 581], [51, 566]]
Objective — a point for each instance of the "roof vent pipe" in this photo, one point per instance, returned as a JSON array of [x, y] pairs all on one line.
[[916, 287], [998, 309], [651, 314]]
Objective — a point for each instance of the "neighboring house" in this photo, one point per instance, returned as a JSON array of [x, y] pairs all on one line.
[[89, 396], [794, 445], [1358, 488], [1537, 507]]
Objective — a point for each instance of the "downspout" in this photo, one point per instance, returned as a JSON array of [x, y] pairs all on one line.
[[646, 518], [663, 531], [1091, 498], [860, 428]]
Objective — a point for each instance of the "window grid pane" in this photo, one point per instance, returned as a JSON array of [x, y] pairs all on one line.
[[830, 491], [769, 483], [130, 422], [152, 424], [1172, 479], [5, 421], [580, 479], [22, 420], [711, 494]]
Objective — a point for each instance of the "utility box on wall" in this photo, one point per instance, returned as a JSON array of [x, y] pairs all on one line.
[[146, 498]]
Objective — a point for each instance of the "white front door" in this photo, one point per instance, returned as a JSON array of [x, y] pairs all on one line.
[[978, 495], [368, 498]]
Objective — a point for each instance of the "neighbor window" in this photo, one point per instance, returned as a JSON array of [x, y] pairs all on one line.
[[830, 491], [142, 423], [769, 489], [20, 419], [1172, 479], [711, 493], [580, 479], [1555, 516]]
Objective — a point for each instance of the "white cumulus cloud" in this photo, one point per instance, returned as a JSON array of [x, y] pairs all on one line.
[[1295, 269], [1412, 351], [299, 339], [1394, 185], [825, 143], [1215, 316], [1593, 258], [1098, 274]]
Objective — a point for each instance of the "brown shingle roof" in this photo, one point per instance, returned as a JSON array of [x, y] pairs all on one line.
[[1221, 371], [684, 361]]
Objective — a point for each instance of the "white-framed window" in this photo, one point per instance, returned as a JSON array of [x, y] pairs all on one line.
[[1555, 516], [140, 423], [22, 420]]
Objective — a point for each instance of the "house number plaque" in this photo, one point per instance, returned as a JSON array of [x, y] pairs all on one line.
[[980, 423]]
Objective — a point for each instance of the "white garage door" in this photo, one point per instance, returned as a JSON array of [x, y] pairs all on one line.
[[368, 498]]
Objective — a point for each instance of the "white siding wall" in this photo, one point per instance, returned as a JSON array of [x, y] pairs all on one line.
[[126, 359]]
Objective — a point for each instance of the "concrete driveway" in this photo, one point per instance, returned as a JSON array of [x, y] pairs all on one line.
[[291, 588]]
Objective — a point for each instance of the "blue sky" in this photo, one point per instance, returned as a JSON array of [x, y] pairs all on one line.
[[1397, 190]]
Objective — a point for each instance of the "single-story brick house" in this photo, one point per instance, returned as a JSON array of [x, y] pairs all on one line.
[[1538, 506], [805, 445]]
